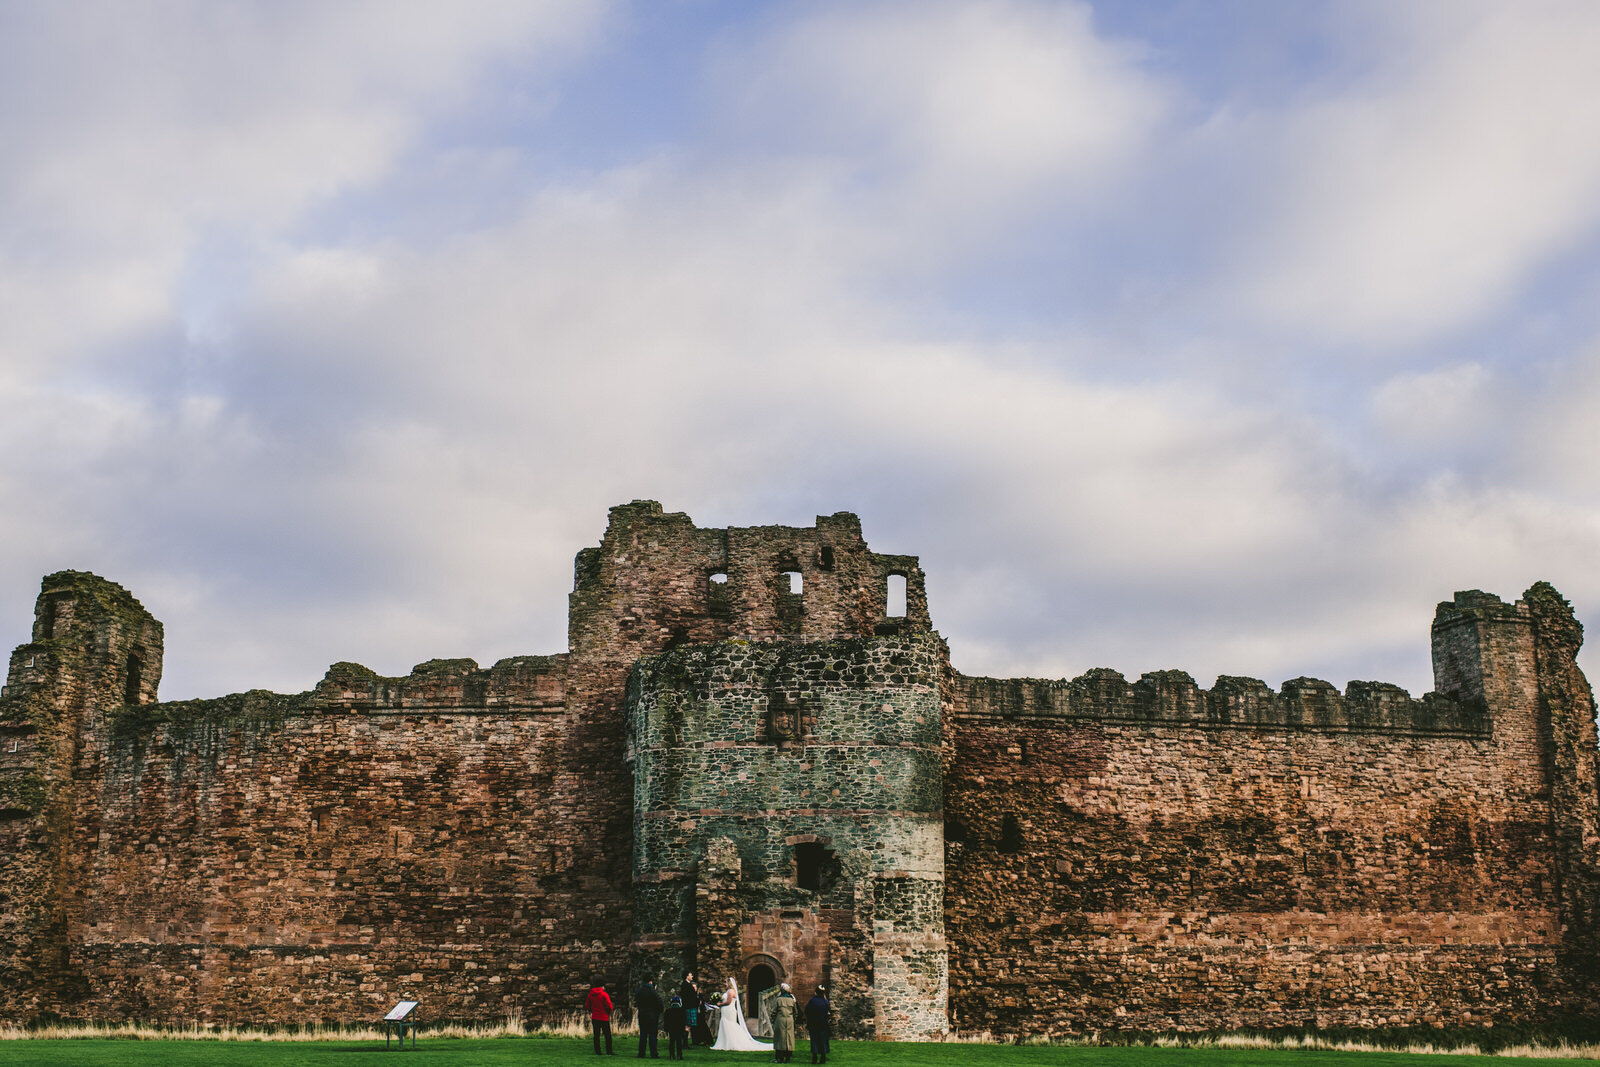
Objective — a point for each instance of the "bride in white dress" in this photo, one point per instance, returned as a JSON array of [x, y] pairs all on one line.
[[732, 1034]]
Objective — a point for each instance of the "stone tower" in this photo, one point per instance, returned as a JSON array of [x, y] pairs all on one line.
[[783, 730], [93, 649]]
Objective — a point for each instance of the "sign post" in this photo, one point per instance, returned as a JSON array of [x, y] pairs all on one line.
[[400, 1016]]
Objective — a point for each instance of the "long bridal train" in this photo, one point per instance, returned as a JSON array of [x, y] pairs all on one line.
[[732, 1033]]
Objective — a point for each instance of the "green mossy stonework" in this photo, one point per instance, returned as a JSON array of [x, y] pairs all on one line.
[[727, 775], [759, 748]]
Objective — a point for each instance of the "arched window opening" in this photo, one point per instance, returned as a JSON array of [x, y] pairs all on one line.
[[896, 608], [760, 979], [1010, 834], [130, 690], [796, 582]]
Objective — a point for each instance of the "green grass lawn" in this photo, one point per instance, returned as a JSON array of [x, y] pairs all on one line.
[[538, 1052]]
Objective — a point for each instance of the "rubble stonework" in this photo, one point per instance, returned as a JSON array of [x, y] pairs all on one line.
[[853, 795], [748, 773]]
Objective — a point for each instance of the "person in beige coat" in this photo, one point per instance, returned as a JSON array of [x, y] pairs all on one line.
[[784, 1009]]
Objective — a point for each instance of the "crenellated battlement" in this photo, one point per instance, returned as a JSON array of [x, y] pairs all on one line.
[[1172, 698]]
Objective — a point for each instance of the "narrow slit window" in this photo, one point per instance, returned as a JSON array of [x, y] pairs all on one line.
[[130, 692], [897, 597], [797, 584]]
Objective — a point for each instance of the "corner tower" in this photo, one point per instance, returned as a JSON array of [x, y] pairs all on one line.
[[94, 649]]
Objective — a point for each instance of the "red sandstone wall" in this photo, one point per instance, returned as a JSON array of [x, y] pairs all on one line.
[[465, 834], [460, 834], [1216, 877], [272, 864]]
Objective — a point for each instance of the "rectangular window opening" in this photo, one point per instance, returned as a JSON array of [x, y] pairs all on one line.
[[796, 582], [814, 866], [896, 608]]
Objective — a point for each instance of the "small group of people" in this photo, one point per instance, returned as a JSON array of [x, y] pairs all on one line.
[[687, 1019]]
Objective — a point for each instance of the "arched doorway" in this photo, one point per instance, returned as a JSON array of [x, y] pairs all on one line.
[[761, 978]]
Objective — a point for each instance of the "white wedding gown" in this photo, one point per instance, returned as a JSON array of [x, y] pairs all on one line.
[[732, 1034]]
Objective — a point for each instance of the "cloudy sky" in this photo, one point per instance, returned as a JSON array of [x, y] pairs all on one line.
[[1220, 336]]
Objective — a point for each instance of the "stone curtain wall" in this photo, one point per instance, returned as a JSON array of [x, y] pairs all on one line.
[[724, 792], [1191, 871], [1100, 853], [262, 859]]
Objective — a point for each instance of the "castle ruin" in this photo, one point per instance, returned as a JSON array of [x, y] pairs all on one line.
[[756, 760]]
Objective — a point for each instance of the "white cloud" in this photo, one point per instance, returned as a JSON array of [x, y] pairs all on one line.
[[1443, 408], [388, 451], [1424, 194], [1559, 434], [130, 133], [958, 106]]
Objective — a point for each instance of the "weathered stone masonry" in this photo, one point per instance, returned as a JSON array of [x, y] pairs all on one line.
[[744, 765]]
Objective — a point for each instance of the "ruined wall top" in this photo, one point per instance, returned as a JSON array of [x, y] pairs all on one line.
[[92, 631], [657, 581]]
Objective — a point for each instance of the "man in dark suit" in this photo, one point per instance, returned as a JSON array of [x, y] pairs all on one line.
[[818, 1023], [690, 992], [647, 1009]]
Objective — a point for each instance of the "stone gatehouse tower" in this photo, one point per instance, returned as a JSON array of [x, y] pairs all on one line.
[[756, 760], [785, 745], [787, 817]]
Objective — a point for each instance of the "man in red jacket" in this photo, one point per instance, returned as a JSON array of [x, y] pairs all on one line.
[[599, 1005]]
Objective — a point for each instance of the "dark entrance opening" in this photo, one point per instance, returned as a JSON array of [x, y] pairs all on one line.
[[760, 980], [1010, 834]]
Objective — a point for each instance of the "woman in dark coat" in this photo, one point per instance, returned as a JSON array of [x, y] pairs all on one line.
[[817, 1021]]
